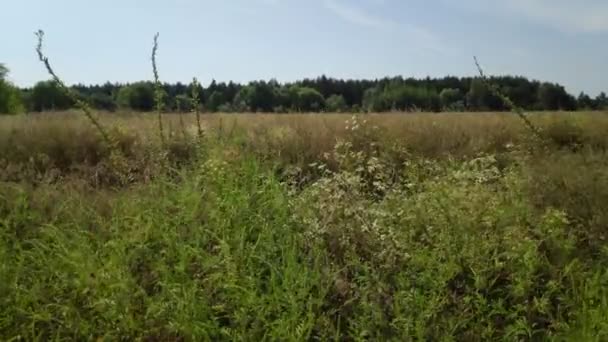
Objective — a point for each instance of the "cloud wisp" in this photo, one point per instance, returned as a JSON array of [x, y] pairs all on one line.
[[570, 16], [415, 35], [358, 16], [579, 16]]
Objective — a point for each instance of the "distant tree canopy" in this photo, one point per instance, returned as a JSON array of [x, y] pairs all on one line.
[[336, 103], [316, 95], [451, 99], [137, 96], [3, 71], [306, 99], [46, 95], [11, 99], [553, 97]]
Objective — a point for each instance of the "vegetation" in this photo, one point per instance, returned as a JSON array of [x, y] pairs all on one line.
[[459, 94], [321, 94], [10, 97], [305, 227]]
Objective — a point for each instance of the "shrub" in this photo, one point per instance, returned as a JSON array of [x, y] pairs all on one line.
[[138, 96], [336, 103], [10, 97], [47, 96], [565, 133]]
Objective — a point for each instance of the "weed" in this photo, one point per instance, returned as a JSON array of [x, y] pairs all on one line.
[[507, 101], [158, 91], [196, 104], [79, 103]]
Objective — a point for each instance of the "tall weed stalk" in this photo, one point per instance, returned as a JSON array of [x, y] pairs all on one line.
[[65, 89], [158, 91], [507, 101], [196, 103]]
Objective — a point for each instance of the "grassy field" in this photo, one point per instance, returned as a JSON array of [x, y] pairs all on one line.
[[304, 227]]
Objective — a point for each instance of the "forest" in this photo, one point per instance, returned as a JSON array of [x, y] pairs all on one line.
[[322, 94]]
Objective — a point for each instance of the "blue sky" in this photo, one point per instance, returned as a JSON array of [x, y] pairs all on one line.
[[565, 41]]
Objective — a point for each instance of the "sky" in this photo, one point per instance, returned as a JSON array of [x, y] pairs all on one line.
[[564, 41]]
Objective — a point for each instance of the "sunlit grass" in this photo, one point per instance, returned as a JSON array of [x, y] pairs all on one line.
[[304, 227]]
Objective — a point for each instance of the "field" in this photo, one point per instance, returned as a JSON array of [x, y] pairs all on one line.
[[304, 227]]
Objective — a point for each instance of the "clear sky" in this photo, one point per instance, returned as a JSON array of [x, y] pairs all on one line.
[[93, 41]]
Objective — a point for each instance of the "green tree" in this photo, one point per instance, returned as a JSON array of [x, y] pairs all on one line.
[[336, 103], [480, 97], [138, 96], [215, 100], [282, 100], [3, 71], [554, 97], [258, 96], [183, 103], [102, 101], [308, 100], [407, 97], [477, 95], [11, 101], [46, 95], [374, 100], [601, 101], [451, 99], [401, 95], [585, 101]]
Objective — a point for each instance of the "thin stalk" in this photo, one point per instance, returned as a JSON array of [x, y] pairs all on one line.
[[182, 125], [196, 103], [158, 91], [88, 112], [507, 101]]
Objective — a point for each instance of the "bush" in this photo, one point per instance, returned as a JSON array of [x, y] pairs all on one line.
[[336, 104], [137, 96], [102, 101], [308, 100], [47, 96], [451, 99], [565, 133], [10, 99], [396, 96]]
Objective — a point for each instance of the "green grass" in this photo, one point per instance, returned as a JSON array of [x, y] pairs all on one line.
[[306, 228]]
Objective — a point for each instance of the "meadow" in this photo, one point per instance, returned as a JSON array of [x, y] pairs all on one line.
[[393, 226]]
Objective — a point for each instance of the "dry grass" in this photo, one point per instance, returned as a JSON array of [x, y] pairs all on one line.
[[295, 139], [414, 127], [304, 227]]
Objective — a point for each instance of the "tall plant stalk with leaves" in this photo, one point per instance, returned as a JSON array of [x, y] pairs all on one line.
[[196, 103], [507, 101], [158, 91], [78, 102]]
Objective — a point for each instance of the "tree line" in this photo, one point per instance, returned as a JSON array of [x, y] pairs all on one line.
[[321, 94]]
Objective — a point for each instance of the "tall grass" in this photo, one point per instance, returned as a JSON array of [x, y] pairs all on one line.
[[34, 147], [374, 247]]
